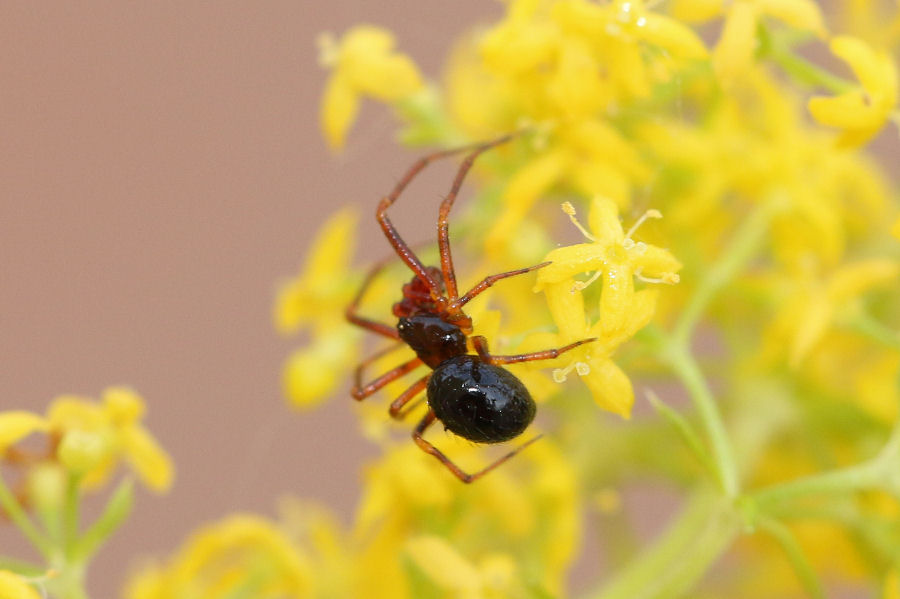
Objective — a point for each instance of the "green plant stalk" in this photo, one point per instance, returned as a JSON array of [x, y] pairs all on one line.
[[805, 572], [746, 243], [881, 472], [11, 506], [71, 508], [680, 557], [865, 325], [782, 53], [116, 511], [20, 567]]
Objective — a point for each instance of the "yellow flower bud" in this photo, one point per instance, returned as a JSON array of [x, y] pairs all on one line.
[[81, 451], [13, 586]]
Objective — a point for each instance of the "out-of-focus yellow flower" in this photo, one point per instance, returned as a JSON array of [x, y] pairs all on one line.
[[734, 51], [315, 301], [895, 230], [527, 510], [16, 425], [363, 63], [323, 287], [94, 437], [13, 586], [811, 305], [892, 584], [859, 113], [494, 577], [242, 555]]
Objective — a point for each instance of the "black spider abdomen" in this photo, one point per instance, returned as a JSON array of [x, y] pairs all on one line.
[[479, 401]]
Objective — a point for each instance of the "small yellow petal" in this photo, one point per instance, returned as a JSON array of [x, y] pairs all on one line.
[[603, 221], [151, 462], [696, 11], [569, 261], [13, 586], [16, 425], [810, 329], [847, 111], [610, 387], [442, 563], [734, 51], [340, 106], [314, 372], [124, 405], [801, 14], [617, 296], [669, 34], [855, 279], [567, 311], [867, 65]]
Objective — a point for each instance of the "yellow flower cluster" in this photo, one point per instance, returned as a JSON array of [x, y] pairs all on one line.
[[89, 439], [415, 535]]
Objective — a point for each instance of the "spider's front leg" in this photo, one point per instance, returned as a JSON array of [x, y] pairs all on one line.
[[481, 347]]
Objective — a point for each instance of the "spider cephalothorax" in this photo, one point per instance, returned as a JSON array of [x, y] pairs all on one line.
[[472, 395]]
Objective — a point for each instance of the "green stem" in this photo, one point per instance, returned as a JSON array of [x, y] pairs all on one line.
[[747, 240], [679, 558], [865, 325], [20, 567], [881, 472], [11, 506], [687, 370], [70, 513], [805, 572], [800, 69]]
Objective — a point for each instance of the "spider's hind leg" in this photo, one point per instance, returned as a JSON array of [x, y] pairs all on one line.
[[465, 477]]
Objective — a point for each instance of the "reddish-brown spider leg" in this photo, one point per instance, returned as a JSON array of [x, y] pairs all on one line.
[[488, 281], [350, 312], [403, 250], [397, 412], [444, 213], [427, 447], [481, 346], [360, 392], [361, 367]]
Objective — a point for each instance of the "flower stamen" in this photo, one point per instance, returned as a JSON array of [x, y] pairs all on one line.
[[569, 209]]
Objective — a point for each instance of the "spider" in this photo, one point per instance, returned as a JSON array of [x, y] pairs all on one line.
[[471, 395]]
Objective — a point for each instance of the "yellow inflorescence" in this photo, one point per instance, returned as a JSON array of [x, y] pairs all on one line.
[[763, 310]]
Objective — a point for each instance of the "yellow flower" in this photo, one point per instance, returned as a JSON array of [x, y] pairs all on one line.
[[18, 424], [364, 64], [315, 300], [613, 255], [495, 576], [895, 230], [323, 286], [813, 305], [734, 51], [243, 555], [13, 586], [94, 437], [892, 585], [859, 113]]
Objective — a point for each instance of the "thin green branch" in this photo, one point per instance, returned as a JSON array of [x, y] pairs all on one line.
[[11, 506], [678, 559], [805, 572]]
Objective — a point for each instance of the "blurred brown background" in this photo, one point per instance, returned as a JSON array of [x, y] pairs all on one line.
[[160, 169]]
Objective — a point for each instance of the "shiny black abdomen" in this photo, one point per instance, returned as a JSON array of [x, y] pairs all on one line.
[[479, 401], [433, 339]]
